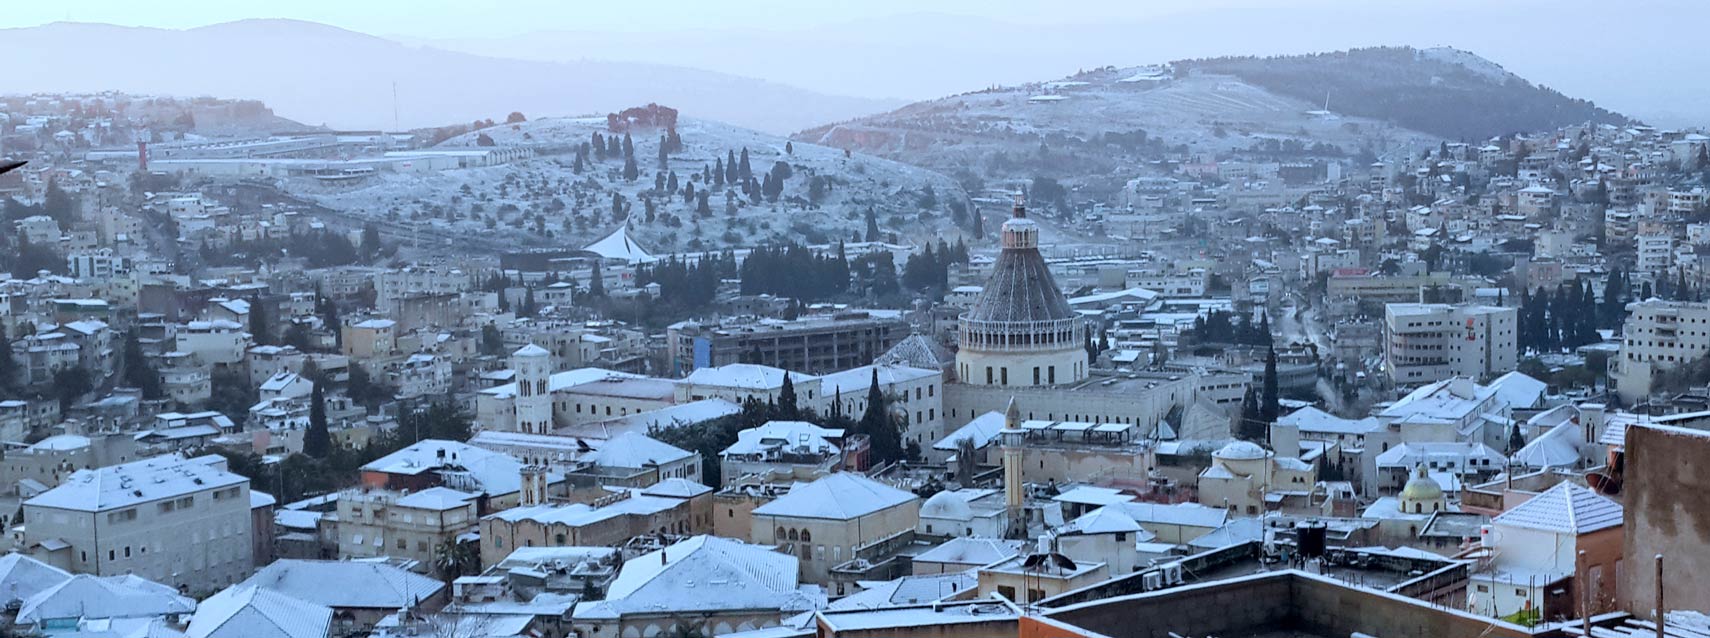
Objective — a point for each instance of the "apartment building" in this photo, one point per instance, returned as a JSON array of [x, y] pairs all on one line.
[[816, 344], [1659, 335], [401, 524], [183, 522], [1425, 343]]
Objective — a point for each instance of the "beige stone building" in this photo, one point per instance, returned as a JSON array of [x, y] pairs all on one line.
[[183, 522], [833, 519], [676, 507], [1242, 474], [374, 523]]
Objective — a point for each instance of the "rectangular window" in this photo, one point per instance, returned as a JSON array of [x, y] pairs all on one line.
[[1051, 374], [988, 375], [1006, 375], [1035, 375]]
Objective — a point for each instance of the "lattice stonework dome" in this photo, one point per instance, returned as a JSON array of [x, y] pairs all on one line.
[[1020, 330]]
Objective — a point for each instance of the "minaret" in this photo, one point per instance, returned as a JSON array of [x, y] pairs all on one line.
[[533, 367], [1013, 497]]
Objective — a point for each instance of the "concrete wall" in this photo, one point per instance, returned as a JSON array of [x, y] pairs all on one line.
[[1270, 603], [1667, 499]]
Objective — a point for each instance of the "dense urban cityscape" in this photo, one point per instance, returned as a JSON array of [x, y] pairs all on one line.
[[1384, 342]]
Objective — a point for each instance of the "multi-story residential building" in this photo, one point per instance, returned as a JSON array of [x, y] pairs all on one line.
[[267, 361], [813, 344], [1655, 252], [97, 264], [675, 507], [1687, 202], [410, 525], [1424, 343], [1659, 335], [420, 375], [184, 522], [1171, 283], [370, 338], [184, 380], [219, 342]]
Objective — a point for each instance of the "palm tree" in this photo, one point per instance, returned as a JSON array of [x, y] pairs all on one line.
[[967, 461], [452, 559]]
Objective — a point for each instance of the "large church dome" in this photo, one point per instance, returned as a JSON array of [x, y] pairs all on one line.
[[1020, 329]]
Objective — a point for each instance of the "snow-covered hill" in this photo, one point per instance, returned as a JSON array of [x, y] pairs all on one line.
[[545, 201]]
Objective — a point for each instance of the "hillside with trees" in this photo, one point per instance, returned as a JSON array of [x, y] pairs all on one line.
[[1448, 93]]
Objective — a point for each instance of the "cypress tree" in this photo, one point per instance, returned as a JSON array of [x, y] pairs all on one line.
[[1269, 409], [259, 330], [138, 374], [8, 365], [787, 409], [881, 433], [596, 283], [317, 441]]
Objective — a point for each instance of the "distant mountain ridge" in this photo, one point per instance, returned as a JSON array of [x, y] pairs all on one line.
[[319, 74], [1446, 92]]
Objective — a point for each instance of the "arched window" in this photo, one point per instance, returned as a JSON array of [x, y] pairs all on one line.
[[794, 536], [779, 536], [807, 536]]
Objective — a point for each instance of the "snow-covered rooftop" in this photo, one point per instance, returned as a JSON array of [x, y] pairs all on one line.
[[361, 584], [247, 611], [1567, 508], [838, 496], [145, 481]]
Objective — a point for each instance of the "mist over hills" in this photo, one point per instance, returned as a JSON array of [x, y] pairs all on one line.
[[1626, 62], [318, 74]]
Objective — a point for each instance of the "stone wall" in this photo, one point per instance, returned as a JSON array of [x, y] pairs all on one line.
[[1667, 499]]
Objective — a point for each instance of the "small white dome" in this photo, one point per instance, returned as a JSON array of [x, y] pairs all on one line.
[[947, 504], [1241, 451]]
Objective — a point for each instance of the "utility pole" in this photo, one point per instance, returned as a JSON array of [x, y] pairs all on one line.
[[1662, 612]]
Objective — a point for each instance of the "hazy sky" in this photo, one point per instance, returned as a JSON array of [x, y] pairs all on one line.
[[1638, 56], [460, 18]]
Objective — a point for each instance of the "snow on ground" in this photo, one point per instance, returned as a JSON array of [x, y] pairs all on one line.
[[543, 201]]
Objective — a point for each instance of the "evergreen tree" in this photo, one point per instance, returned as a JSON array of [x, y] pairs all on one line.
[[528, 308], [317, 441], [787, 409], [743, 171], [259, 330], [599, 144], [580, 163], [138, 374], [8, 365], [664, 153], [730, 173], [630, 170], [597, 283], [1249, 425], [789, 149], [1271, 407], [882, 432], [1264, 335], [718, 172], [979, 225], [872, 225]]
